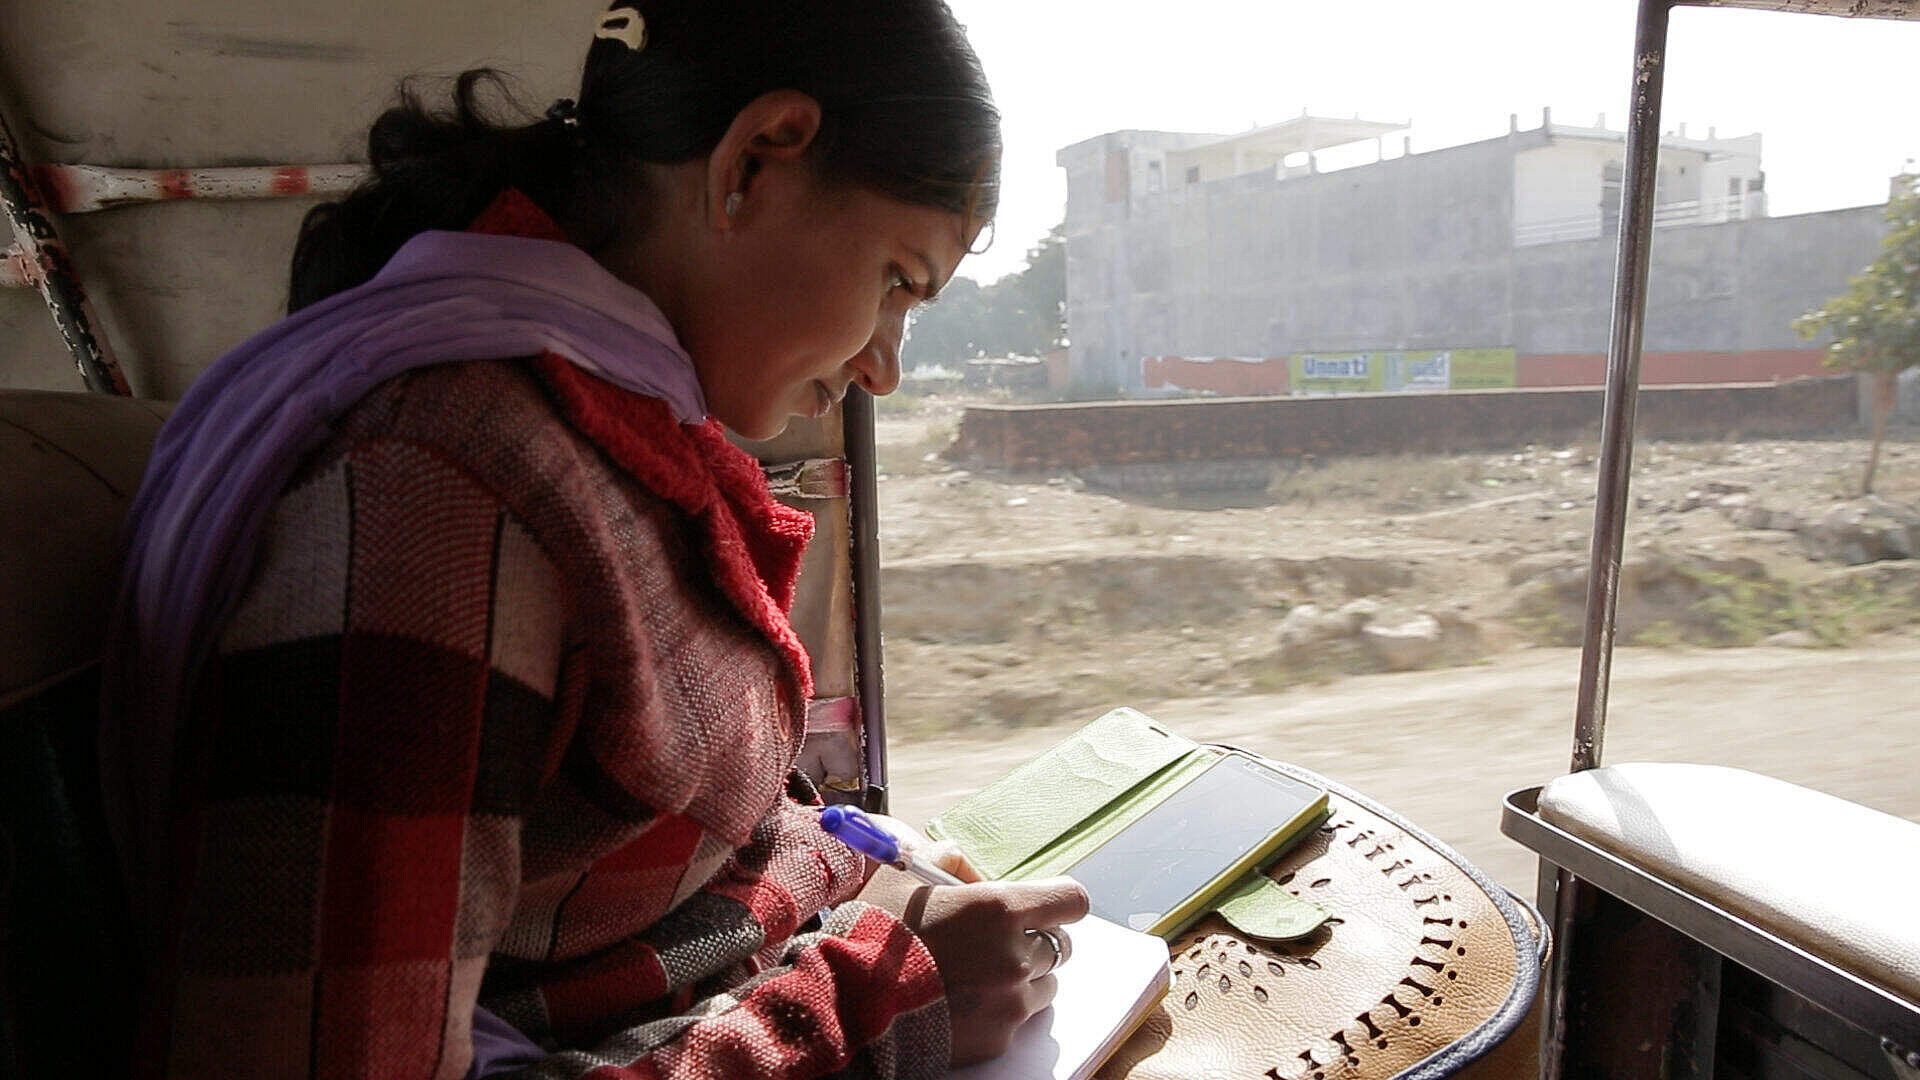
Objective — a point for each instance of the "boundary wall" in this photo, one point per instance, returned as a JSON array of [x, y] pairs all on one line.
[[1048, 438], [1239, 376]]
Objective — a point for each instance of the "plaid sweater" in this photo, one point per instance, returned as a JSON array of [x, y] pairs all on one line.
[[506, 716]]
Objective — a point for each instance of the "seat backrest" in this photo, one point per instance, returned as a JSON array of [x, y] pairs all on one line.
[[69, 465]]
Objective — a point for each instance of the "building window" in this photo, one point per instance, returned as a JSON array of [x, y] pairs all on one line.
[[1193, 174], [1733, 185]]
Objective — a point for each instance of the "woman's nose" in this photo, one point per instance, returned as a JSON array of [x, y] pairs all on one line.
[[877, 367]]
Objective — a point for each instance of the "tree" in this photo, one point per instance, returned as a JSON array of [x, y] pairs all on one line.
[[1023, 313], [1876, 323]]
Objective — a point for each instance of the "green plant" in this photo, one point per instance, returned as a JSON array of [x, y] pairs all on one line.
[[1664, 634], [1545, 621], [1876, 323], [1401, 479], [1745, 611], [1740, 610], [1843, 611]]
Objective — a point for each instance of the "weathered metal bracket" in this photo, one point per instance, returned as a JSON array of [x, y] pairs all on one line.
[[44, 262], [814, 478], [82, 189]]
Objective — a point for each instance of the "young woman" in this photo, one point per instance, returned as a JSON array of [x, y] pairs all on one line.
[[453, 706]]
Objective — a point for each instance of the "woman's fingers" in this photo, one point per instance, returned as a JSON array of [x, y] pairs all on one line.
[[1050, 949], [1040, 993], [944, 854], [947, 855], [1047, 903]]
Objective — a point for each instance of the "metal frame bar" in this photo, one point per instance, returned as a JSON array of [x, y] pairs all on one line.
[[83, 189], [1623, 382], [864, 508], [1610, 502], [53, 273]]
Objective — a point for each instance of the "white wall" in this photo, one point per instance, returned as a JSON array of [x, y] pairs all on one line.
[[1560, 184]]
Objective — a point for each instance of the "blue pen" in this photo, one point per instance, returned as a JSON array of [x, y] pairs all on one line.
[[852, 827]]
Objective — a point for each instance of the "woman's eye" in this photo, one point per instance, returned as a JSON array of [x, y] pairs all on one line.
[[900, 280]]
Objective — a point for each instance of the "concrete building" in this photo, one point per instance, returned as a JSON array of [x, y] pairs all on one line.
[[1183, 245]]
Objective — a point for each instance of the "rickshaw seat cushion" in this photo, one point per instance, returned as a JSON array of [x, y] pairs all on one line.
[[73, 464], [1834, 878]]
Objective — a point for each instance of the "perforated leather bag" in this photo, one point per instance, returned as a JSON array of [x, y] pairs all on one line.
[[1425, 969]]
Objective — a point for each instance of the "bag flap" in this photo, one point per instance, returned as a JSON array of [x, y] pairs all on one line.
[[1010, 820]]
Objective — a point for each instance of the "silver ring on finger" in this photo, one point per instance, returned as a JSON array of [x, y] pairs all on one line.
[[1052, 938]]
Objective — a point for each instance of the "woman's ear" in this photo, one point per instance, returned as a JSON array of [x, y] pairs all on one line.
[[774, 131]]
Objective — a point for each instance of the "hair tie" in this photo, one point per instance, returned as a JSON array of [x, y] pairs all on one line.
[[565, 112], [625, 25]]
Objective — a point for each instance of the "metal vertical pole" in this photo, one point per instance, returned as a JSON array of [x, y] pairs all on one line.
[[1570, 894], [864, 503], [51, 270], [1623, 382]]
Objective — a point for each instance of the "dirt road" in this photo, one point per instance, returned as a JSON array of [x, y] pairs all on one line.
[[1442, 747]]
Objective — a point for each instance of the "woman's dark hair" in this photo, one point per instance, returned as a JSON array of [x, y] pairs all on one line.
[[906, 112]]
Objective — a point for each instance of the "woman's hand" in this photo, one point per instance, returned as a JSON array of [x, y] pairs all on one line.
[[997, 973]]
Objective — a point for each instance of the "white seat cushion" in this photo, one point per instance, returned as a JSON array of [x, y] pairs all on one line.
[[1834, 878]]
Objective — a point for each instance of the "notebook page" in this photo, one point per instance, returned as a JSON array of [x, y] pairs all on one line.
[[1113, 978]]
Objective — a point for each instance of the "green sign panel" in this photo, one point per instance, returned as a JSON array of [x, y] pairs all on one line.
[[1484, 369]]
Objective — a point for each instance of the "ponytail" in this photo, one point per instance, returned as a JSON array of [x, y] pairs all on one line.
[[905, 112], [430, 170]]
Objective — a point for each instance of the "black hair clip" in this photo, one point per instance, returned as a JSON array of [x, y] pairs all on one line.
[[623, 24], [565, 111]]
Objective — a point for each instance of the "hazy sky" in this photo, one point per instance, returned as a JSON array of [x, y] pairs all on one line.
[[1836, 99]]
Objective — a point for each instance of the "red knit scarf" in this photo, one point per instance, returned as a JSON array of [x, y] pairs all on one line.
[[754, 542]]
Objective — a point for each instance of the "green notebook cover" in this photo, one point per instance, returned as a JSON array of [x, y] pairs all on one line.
[[1050, 812]]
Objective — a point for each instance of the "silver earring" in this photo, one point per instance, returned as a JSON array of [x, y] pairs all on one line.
[[732, 205]]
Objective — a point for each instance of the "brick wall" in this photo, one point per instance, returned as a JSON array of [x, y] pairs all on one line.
[[1753, 365], [1253, 375], [1053, 437], [1218, 375]]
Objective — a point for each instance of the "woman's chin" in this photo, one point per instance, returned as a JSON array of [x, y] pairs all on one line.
[[759, 428]]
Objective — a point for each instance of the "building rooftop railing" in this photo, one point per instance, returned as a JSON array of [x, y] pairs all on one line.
[[1593, 225]]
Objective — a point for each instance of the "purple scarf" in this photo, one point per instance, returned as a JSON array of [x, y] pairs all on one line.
[[247, 422], [229, 448]]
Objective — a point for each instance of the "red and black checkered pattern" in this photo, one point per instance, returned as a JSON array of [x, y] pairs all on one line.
[[506, 716]]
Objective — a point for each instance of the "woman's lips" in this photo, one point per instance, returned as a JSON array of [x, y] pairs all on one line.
[[823, 399]]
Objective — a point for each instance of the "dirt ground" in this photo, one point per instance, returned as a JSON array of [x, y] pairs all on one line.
[[1444, 747], [1017, 608]]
